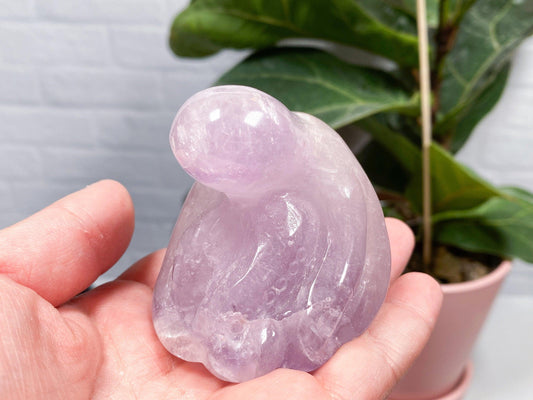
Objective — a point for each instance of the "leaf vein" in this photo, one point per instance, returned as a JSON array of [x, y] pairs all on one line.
[[316, 81], [263, 19], [494, 22]]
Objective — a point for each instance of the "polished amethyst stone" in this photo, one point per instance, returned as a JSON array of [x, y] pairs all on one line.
[[280, 254]]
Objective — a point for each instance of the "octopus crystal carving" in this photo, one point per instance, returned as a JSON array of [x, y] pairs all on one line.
[[280, 254]]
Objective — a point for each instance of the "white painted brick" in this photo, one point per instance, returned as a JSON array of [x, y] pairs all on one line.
[[521, 68], [175, 6], [53, 44], [71, 165], [150, 237], [508, 151], [179, 86], [18, 162], [131, 256], [79, 87], [8, 218], [127, 11], [132, 169], [7, 201], [162, 205], [503, 177], [163, 171], [192, 76], [224, 60], [515, 110], [27, 203], [47, 126], [19, 86], [143, 131], [16, 9], [142, 47]]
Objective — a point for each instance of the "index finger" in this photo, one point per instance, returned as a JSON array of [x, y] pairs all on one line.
[[63, 248]]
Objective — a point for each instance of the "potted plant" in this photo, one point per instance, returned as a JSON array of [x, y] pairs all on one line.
[[304, 56]]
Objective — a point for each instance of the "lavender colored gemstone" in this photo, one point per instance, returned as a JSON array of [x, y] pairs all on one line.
[[280, 254]]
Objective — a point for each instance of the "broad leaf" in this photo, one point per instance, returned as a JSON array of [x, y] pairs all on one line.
[[517, 193], [399, 147], [501, 226], [382, 169], [453, 186], [454, 10], [409, 7], [468, 212], [469, 117], [318, 83], [207, 26], [488, 33], [393, 17]]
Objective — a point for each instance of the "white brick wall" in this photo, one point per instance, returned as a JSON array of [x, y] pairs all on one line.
[[19, 85], [16, 8], [54, 44], [88, 89], [103, 11]]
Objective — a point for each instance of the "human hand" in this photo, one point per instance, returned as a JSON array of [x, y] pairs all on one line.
[[102, 345]]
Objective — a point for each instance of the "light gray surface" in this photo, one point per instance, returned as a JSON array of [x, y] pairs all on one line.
[[503, 356]]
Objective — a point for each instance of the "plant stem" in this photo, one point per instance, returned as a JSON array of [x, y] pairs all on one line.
[[425, 92]]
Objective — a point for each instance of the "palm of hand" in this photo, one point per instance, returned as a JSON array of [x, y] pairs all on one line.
[[101, 345]]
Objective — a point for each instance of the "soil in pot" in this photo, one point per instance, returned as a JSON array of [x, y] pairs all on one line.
[[452, 265]]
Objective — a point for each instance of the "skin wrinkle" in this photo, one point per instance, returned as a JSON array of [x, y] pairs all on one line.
[[382, 353], [52, 349], [334, 389], [8, 269], [20, 325], [339, 391], [113, 348], [9, 341], [423, 317], [76, 328], [115, 360]]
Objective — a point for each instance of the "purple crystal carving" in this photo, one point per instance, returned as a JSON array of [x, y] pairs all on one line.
[[280, 254]]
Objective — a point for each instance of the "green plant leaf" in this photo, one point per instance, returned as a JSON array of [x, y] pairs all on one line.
[[318, 83], [454, 10], [470, 115], [206, 26], [468, 212], [393, 17], [409, 7], [518, 193], [453, 186], [398, 146], [488, 33], [501, 226], [382, 169]]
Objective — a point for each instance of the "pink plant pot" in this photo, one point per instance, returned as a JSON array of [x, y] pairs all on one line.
[[442, 371]]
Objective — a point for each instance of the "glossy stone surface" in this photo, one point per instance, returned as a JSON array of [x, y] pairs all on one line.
[[280, 254]]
